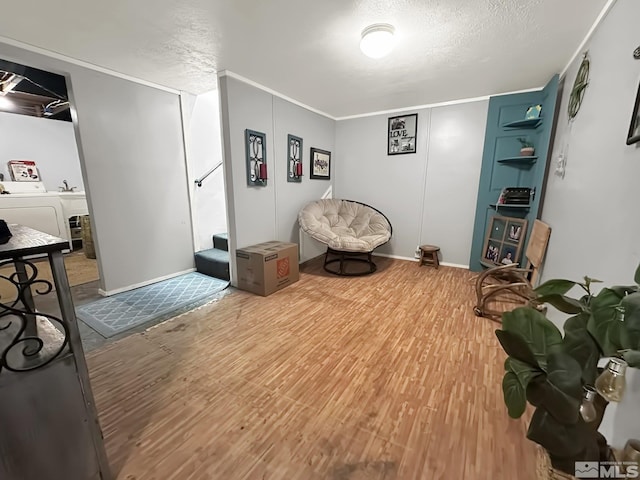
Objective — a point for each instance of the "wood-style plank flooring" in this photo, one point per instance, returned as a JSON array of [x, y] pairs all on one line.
[[389, 376]]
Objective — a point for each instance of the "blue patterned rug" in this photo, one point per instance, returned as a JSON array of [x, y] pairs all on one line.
[[159, 301]]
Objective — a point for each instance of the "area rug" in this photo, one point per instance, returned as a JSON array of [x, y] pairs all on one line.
[[80, 270], [159, 301]]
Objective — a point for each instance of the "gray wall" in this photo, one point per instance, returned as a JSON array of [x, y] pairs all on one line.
[[592, 211], [50, 143], [429, 196], [134, 172], [259, 214]]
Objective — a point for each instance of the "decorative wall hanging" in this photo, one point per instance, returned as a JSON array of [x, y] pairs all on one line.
[[320, 164], [294, 159], [256, 150], [402, 134], [579, 86], [634, 128]]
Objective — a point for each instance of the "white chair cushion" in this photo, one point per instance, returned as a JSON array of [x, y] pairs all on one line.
[[345, 226]]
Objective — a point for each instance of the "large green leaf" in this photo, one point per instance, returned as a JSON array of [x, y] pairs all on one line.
[[514, 395], [563, 387], [603, 314], [536, 390], [631, 306], [523, 371], [632, 357], [554, 287], [636, 277], [559, 439], [516, 347], [563, 303], [579, 344], [623, 290], [535, 329]]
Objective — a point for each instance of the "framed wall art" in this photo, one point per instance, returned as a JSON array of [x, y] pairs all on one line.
[[504, 240], [256, 152], [320, 164], [402, 132], [294, 159], [634, 128]]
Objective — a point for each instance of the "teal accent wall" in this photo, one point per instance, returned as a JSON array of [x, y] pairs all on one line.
[[501, 142]]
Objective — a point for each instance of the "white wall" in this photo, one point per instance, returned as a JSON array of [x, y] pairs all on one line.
[[429, 196], [259, 214], [133, 165], [593, 210], [50, 143], [203, 141]]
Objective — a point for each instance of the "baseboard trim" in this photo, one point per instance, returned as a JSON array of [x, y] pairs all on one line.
[[395, 257], [454, 265], [108, 293], [400, 257], [410, 259]]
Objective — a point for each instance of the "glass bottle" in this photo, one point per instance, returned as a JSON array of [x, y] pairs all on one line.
[[611, 382], [587, 407]]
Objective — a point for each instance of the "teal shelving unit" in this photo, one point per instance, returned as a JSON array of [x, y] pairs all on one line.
[[526, 123], [502, 166], [521, 160]]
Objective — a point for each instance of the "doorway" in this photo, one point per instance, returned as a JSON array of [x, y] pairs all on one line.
[[41, 177]]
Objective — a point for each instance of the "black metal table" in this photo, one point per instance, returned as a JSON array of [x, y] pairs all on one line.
[[49, 421]]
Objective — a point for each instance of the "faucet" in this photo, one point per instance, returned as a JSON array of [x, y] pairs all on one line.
[[66, 187]]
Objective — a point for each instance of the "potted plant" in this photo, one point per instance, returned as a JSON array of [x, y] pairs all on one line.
[[551, 371], [527, 149]]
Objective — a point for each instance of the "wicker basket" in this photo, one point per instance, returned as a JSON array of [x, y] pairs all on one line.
[[544, 470], [87, 239]]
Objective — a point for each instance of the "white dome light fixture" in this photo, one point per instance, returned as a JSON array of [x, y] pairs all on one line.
[[377, 40]]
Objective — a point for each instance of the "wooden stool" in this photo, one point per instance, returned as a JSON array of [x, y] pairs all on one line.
[[429, 255]]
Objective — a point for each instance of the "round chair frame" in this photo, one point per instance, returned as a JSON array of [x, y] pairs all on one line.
[[345, 257]]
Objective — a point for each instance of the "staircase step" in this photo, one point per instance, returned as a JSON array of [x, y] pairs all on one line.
[[213, 262], [221, 241]]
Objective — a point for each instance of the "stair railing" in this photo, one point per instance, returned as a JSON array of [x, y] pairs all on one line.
[[199, 181]]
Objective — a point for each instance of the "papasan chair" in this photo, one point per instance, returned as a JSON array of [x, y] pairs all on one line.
[[351, 230]]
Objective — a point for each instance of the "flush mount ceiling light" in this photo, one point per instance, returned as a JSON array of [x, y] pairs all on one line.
[[377, 40]]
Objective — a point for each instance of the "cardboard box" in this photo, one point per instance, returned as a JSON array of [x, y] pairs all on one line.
[[267, 267]]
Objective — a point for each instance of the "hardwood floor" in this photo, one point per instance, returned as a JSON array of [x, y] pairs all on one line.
[[389, 376]]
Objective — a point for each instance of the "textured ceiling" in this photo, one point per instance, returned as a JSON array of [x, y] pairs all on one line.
[[308, 49]]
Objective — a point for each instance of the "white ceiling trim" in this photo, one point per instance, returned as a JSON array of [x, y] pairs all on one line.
[[579, 50], [230, 74], [439, 104], [81, 63]]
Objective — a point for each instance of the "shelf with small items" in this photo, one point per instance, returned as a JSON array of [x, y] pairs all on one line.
[[525, 123], [508, 205], [519, 160]]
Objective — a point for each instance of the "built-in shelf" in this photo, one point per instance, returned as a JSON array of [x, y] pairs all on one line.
[[506, 205], [488, 264], [521, 160], [528, 123]]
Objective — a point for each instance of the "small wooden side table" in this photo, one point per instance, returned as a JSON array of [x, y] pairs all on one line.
[[429, 255]]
